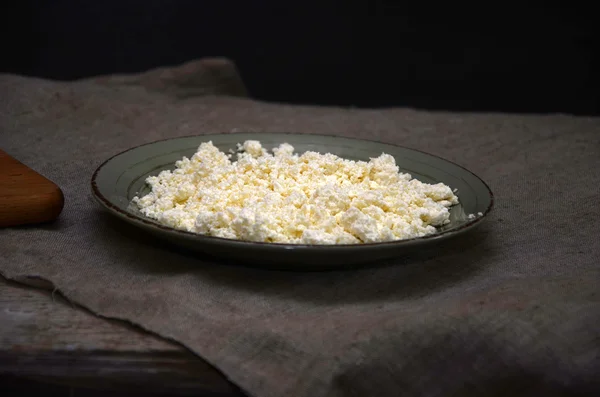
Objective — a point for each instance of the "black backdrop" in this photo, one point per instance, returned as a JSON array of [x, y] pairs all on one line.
[[352, 53]]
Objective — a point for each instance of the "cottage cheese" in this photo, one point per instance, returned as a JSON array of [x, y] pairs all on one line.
[[283, 197]]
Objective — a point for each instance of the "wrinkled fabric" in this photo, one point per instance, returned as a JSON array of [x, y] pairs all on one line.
[[511, 309]]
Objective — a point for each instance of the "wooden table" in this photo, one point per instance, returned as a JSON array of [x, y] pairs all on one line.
[[45, 338]]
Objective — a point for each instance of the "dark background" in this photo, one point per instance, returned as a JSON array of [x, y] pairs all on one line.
[[348, 53]]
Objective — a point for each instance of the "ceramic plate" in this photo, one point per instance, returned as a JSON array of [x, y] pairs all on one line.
[[123, 176]]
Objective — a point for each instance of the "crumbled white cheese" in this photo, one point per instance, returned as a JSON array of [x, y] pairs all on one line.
[[473, 216], [284, 197]]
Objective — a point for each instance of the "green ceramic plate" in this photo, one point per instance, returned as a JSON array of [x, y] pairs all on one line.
[[123, 176]]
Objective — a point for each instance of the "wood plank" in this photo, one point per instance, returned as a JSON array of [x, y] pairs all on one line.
[[47, 338]]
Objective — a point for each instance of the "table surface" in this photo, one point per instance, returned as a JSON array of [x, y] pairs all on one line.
[[45, 337]]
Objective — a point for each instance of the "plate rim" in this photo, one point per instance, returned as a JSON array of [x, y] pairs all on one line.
[[190, 235]]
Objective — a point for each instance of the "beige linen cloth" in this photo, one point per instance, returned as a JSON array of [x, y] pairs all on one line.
[[510, 310]]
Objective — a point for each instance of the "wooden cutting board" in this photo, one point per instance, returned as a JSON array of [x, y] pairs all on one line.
[[26, 197]]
